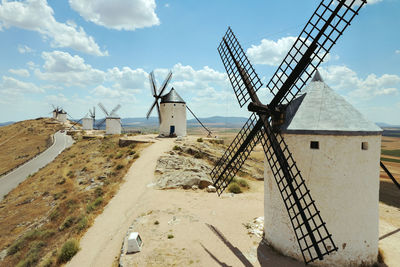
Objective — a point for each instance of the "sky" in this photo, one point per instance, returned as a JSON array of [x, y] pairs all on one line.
[[77, 53]]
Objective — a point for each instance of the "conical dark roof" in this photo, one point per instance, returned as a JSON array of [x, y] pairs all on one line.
[[172, 97], [320, 110]]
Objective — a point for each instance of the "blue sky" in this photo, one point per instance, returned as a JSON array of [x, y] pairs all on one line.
[[76, 53]]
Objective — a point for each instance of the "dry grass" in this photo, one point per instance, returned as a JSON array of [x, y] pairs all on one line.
[[23, 140], [60, 201]]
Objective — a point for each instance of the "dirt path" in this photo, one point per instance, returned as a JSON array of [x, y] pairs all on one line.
[[102, 242]]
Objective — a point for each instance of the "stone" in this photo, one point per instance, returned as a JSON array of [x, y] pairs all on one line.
[[195, 187], [211, 189]]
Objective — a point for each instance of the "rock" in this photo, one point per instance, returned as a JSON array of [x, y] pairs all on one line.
[[211, 189], [195, 187], [256, 227], [177, 171]]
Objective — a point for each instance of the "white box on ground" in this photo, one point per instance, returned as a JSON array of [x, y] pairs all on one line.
[[134, 242]]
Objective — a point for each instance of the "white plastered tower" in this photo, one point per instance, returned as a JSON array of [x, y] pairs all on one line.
[[113, 125], [87, 123], [173, 114], [337, 151], [62, 116]]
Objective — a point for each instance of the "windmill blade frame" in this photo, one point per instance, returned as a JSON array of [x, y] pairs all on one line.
[[99, 124], [165, 84], [153, 84], [113, 112], [103, 109], [321, 32]]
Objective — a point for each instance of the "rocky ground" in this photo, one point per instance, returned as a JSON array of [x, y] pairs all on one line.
[[189, 163]]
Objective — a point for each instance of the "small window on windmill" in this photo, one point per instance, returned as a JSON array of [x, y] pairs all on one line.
[[314, 145], [364, 145], [172, 116], [174, 105]]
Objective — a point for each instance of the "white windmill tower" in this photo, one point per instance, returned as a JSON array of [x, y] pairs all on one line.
[[171, 110], [112, 120], [88, 121]]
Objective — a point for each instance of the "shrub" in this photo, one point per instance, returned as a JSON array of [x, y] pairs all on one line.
[[94, 204], [136, 156], [200, 140], [156, 222], [177, 148], [68, 222], [98, 192], [119, 155], [119, 167], [234, 188], [170, 236], [54, 214], [198, 155], [243, 183], [68, 250], [82, 223], [131, 152], [16, 246]]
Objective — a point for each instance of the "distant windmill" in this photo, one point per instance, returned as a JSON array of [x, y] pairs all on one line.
[[59, 114], [172, 112], [112, 120], [88, 121]]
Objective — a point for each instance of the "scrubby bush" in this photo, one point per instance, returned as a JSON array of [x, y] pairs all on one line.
[[200, 140], [243, 183], [177, 148], [68, 222], [82, 223], [119, 167], [68, 250], [170, 236], [234, 188], [94, 204]]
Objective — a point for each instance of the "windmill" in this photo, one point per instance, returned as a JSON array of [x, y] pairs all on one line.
[[88, 121], [172, 112], [112, 120], [322, 31], [59, 114]]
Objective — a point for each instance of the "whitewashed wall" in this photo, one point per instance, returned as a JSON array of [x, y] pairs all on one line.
[[113, 126], [62, 117], [344, 181], [87, 124], [173, 114]]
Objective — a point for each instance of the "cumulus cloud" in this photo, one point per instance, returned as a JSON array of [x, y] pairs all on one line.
[[118, 14], [37, 15], [11, 86], [397, 52], [127, 78], [61, 67], [347, 80], [24, 49], [20, 72], [270, 52]]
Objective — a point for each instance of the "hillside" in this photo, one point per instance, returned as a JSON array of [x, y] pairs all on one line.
[[21, 141], [61, 200]]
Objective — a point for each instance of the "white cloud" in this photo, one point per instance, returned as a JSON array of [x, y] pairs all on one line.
[[118, 14], [37, 15], [270, 52], [166, 5], [20, 72], [61, 67], [127, 78], [11, 86], [397, 52], [24, 49], [347, 80]]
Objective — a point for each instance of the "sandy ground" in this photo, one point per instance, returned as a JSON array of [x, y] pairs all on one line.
[[190, 228], [102, 242]]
